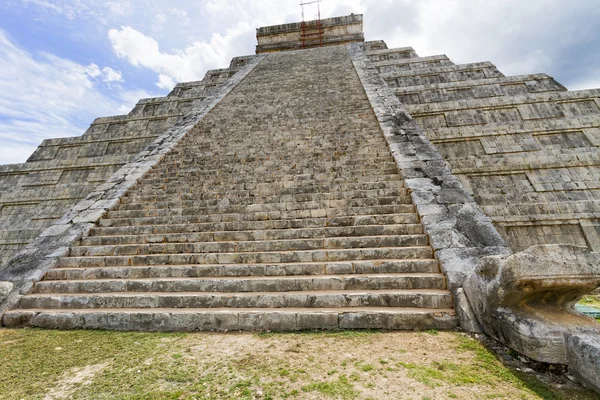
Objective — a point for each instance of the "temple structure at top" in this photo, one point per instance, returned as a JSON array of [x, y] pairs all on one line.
[[317, 33]]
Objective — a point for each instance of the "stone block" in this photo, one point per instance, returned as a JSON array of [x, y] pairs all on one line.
[[466, 317], [583, 358], [5, 289], [526, 300], [21, 320]]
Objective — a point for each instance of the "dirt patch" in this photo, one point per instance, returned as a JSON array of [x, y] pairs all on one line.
[[73, 380], [354, 365]]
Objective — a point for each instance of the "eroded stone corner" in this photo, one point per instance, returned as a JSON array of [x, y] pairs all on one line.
[[459, 232], [30, 264]]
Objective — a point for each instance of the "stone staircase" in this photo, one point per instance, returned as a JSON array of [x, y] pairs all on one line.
[[282, 210]]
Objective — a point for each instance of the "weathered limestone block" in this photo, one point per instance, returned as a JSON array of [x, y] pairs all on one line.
[[527, 300], [464, 312], [583, 355], [5, 289]]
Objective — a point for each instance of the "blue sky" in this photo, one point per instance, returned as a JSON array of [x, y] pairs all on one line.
[[65, 62]]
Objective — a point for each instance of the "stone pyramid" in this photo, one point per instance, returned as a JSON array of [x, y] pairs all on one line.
[[323, 183]]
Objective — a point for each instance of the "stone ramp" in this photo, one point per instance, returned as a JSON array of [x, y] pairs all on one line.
[[282, 210]]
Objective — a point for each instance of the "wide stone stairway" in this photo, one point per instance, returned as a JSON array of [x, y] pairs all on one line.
[[282, 210]]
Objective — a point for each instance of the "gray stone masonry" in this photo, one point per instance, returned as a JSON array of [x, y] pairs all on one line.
[[30, 264], [5, 289], [458, 230], [282, 209], [524, 147], [583, 354], [62, 172]]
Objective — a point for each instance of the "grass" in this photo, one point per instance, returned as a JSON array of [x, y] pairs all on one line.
[[485, 370], [32, 358], [339, 365], [339, 389], [591, 301]]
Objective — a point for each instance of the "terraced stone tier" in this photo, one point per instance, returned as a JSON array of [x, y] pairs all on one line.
[[283, 210], [62, 172], [523, 146]]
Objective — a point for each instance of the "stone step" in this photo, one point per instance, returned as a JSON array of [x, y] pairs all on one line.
[[267, 192], [348, 222], [291, 167], [232, 319], [224, 206], [361, 144], [290, 186], [257, 176], [261, 216], [308, 188], [257, 197], [380, 253], [252, 246], [359, 267], [309, 156], [422, 298], [359, 147], [242, 184], [272, 213], [287, 180], [247, 284], [310, 159], [239, 183], [269, 234], [297, 164]]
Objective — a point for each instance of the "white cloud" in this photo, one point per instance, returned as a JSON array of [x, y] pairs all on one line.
[[15, 153], [119, 8], [165, 82], [110, 75], [520, 37], [170, 17], [44, 96], [93, 70], [181, 65]]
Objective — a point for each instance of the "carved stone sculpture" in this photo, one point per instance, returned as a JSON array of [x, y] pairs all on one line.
[[527, 300]]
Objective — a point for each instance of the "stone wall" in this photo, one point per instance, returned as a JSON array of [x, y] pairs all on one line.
[[63, 171], [524, 147]]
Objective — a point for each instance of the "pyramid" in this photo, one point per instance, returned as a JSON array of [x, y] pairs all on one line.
[[323, 183]]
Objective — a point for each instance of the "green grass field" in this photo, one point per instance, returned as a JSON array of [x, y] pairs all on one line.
[[41, 364]]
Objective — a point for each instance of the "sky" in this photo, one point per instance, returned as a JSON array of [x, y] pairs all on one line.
[[65, 62]]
